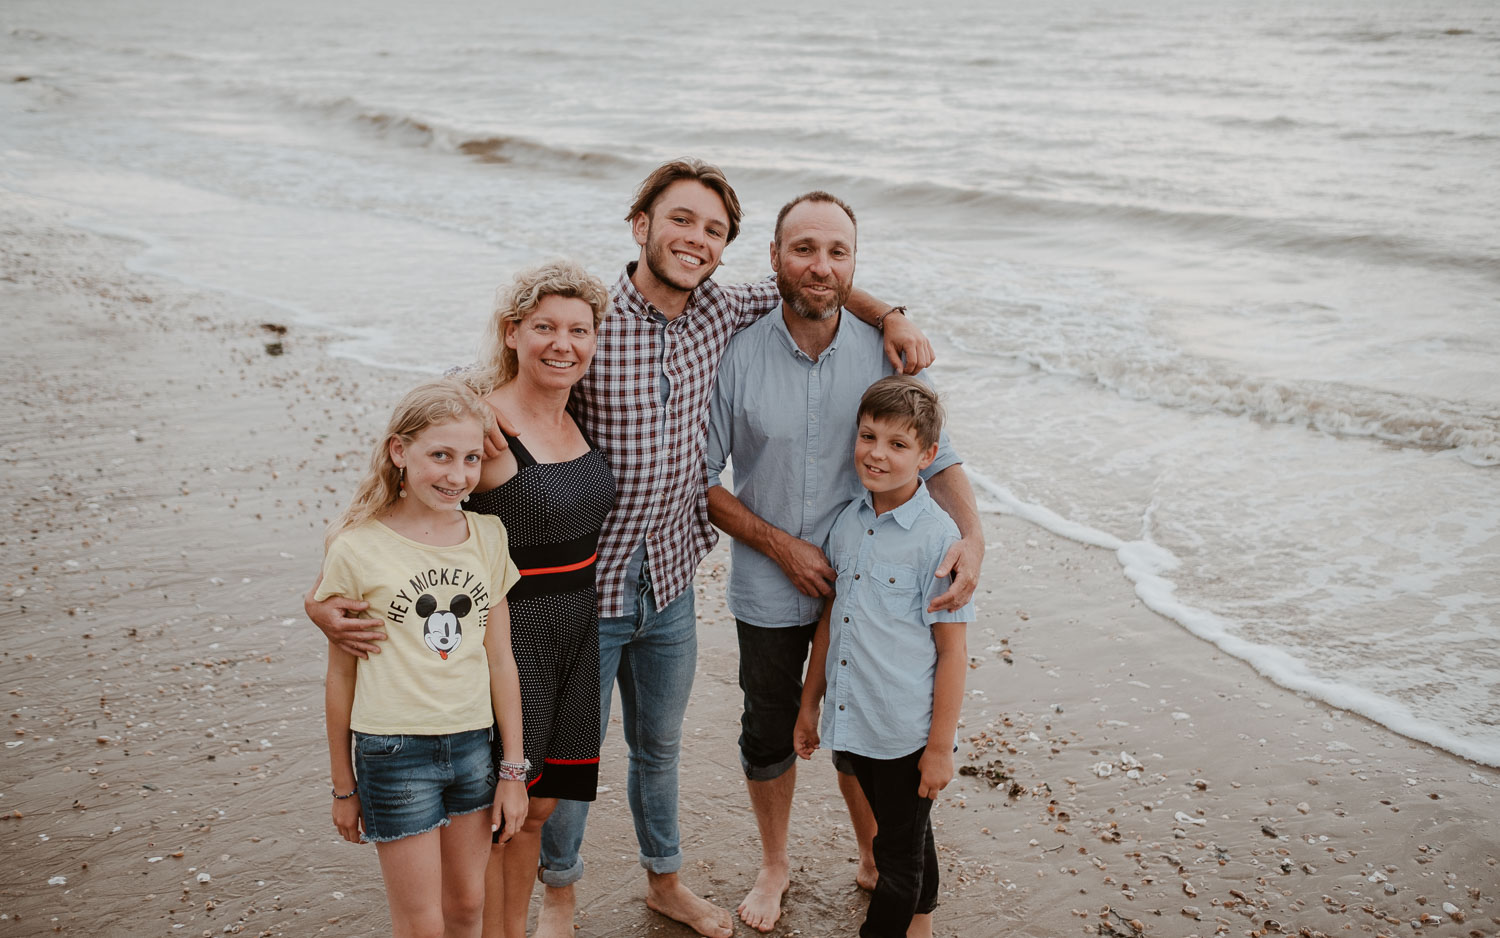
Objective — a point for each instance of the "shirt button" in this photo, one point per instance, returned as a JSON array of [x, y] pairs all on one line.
[[843, 661], [846, 618], [856, 576], [893, 579], [841, 706], [871, 531]]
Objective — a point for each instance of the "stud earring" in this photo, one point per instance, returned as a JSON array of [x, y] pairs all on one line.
[[402, 481]]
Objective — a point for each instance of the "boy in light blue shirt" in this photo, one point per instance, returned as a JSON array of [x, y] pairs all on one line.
[[893, 672]]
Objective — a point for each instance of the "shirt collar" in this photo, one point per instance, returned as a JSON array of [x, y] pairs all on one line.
[[629, 298], [905, 514], [785, 334]]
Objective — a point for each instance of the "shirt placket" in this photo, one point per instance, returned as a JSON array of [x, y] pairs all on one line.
[[662, 346], [841, 693], [814, 396], [844, 693]]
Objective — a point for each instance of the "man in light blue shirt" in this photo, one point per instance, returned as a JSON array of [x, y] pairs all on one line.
[[784, 412]]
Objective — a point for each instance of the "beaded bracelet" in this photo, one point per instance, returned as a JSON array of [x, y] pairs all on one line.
[[880, 323], [513, 771], [338, 797]]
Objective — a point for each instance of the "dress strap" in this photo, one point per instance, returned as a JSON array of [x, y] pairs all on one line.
[[581, 431], [523, 457]]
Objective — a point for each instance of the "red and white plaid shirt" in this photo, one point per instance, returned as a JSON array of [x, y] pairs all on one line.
[[656, 447]]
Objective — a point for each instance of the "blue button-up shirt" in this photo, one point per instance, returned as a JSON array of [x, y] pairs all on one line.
[[788, 424], [881, 656]]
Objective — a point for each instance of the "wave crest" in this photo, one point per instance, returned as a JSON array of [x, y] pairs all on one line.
[[1329, 407], [413, 129]]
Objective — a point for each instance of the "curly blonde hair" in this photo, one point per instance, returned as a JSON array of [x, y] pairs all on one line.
[[513, 303], [445, 400]]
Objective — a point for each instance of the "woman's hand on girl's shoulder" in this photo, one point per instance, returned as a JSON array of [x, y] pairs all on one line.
[[494, 439]]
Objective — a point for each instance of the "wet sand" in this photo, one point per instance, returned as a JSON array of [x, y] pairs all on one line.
[[166, 483]]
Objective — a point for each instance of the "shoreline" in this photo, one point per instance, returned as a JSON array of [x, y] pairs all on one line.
[[166, 491], [1144, 564]]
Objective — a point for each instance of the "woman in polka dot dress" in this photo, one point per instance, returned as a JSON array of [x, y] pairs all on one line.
[[552, 489]]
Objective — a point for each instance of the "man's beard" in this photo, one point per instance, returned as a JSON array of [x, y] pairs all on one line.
[[804, 307], [658, 255]]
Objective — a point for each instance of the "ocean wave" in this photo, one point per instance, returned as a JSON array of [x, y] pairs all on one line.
[[415, 129], [1421, 133], [1233, 231], [27, 34], [1154, 571], [1328, 407], [1277, 123], [1371, 35]]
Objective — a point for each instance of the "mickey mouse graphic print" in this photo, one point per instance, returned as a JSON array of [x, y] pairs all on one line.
[[432, 676]]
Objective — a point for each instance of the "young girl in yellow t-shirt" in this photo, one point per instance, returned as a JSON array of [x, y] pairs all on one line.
[[419, 714]]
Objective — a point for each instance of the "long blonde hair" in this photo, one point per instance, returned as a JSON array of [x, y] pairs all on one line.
[[513, 303], [436, 402]]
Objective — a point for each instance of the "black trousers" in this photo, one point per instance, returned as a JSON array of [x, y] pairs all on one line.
[[905, 854]]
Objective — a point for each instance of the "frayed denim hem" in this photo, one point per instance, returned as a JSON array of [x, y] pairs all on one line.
[[442, 822], [483, 807]]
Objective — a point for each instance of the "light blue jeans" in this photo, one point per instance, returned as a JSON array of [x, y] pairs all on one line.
[[654, 654]]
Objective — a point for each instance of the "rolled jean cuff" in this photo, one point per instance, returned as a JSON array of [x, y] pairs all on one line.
[[662, 865], [565, 877], [767, 773]]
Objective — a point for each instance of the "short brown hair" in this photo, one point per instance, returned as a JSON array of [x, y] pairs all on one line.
[[817, 195], [687, 168], [908, 400]]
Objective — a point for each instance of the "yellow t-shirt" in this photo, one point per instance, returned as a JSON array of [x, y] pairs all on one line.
[[432, 675]]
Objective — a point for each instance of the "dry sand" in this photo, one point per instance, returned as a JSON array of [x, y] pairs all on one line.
[[166, 481]]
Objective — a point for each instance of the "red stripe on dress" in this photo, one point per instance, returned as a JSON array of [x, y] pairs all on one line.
[[567, 568], [571, 761]]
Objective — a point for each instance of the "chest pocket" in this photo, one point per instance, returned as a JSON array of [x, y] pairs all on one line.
[[897, 590]]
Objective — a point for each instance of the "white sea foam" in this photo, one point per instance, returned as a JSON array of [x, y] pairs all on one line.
[[1145, 565]]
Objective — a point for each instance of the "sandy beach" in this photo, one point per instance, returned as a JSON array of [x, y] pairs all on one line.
[[171, 458]]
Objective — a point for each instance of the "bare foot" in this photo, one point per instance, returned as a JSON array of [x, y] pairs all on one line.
[[866, 876], [762, 907], [555, 920], [666, 895], [920, 927]]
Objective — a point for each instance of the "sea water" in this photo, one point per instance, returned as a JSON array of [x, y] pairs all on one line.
[[1216, 287]]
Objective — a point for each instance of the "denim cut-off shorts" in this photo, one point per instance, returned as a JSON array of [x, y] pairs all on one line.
[[409, 785]]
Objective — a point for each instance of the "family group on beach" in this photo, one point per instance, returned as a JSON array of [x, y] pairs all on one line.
[[526, 538]]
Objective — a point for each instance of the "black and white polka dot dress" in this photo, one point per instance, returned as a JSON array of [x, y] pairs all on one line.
[[552, 513]]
